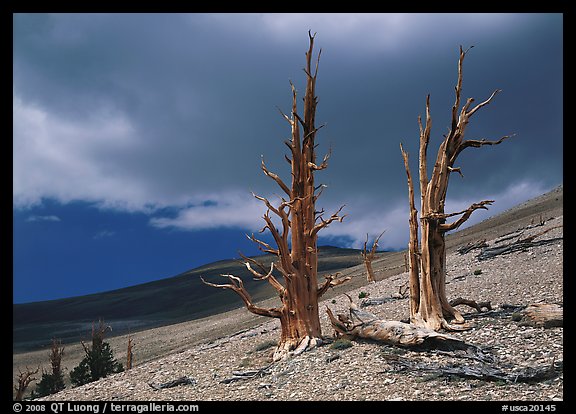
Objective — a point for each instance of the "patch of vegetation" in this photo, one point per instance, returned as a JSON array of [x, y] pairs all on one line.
[[341, 343], [51, 383], [265, 345], [245, 362], [393, 350], [477, 272], [363, 295], [99, 361]]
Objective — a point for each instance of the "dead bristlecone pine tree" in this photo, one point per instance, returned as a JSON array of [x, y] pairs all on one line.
[[368, 257], [24, 379], [296, 239], [129, 353], [429, 306]]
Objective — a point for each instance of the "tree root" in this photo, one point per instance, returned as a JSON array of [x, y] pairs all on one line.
[[473, 304]]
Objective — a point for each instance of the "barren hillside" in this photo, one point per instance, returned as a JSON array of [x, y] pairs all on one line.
[[210, 349]]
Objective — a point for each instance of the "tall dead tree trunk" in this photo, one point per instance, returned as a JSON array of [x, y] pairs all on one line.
[[369, 256], [429, 306], [129, 353], [298, 257]]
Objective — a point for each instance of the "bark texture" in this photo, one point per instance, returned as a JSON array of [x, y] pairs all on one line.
[[541, 315], [129, 353], [362, 324], [296, 239], [429, 306]]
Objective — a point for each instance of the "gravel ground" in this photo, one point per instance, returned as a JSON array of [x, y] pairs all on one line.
[[371, 371]]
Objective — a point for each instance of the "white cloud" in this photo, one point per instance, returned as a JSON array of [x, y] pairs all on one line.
[[34, 218], [370, 32], [368, 217], [224, 210], [372, 219], [516, 193], [66, 160]]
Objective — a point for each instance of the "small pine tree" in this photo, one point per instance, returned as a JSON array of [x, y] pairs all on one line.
[[51, 383], [99, 361], [81, 374]]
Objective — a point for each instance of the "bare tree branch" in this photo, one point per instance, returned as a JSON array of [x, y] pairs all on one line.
[[269, 277], [456, 169], [465, 215], [263, 246], [237, 286], [326, 223], [478, 143], [275, 178], [331, 281], [324, 164], [484, 103]]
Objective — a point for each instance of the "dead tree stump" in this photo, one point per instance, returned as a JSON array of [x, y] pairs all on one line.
[[545, 315]]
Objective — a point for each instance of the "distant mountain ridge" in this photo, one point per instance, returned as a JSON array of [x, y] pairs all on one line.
[[165, 301]]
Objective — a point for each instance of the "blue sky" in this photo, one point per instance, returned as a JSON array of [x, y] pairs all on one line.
[[137, 138]]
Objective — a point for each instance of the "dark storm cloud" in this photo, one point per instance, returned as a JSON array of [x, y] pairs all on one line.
[[138, 111]]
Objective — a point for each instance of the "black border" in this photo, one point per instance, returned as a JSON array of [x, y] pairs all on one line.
[[9, 7]]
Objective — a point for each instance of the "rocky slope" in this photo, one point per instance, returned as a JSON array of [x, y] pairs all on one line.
[[366, 370]]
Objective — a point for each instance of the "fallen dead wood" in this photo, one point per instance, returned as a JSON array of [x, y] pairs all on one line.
[[518, 245], [472, 246], [403, 291], [519, 232], [376, 301], [380, 301], [242, 375], [179, 381], [483, 372], [510, 236], [361, 324], [546, 315]]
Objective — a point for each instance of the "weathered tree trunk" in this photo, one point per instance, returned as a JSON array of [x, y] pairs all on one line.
[[129, 353], [369, 256], [362, 324], [429, 306], [542, 315], [297, 261]]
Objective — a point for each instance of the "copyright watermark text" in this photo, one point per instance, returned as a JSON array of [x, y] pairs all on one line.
[[104, 407]]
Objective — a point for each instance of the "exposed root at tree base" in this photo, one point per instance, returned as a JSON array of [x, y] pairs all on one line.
[[287, 350]]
